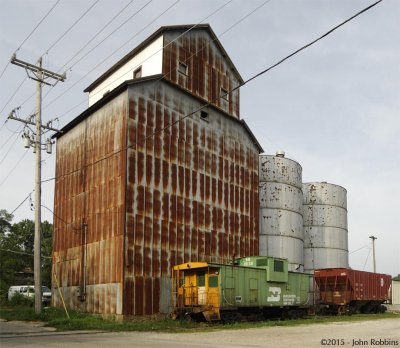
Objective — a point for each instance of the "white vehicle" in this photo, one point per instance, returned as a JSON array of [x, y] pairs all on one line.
[[29, 291]]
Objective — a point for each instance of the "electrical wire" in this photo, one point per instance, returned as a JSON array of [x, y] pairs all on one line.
[[366, 260], [51, 47], [181, 35], [109, 56], [233, 89], [80, 50], [29, 195], [312, 42], [31, 33], [11, 146], [62, 220], [98, 44], [24, 253], [363, 247], [16, 165], [13, 95], [70, 28], [169, 43]]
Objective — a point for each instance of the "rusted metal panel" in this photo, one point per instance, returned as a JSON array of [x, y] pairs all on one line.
[[199, 200], [90, 201], [207, 69]]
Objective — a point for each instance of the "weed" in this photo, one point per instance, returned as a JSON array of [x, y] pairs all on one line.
[[56, 317]]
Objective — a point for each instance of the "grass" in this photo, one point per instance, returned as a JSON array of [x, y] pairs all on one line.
[[55, 317]]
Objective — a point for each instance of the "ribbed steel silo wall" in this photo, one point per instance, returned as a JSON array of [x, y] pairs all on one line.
[[325, 226], [281, 205]]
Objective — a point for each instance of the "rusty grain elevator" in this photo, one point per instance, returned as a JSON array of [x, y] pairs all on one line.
[[146, 178]]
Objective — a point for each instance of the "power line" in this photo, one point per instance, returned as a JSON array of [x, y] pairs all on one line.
[[312, 42], [29, 195], [62, 220], [214, 12], [363, 247], [15, 92], [98, 44], [23, 253], [115, 51], [235, 88], [366, 260], [178, 37], [30, 34], [83, 47], [73, 24], [11, 146], [16, 165], [51, 46]]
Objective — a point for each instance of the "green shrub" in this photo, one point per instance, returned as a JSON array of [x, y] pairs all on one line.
[[21, 300]]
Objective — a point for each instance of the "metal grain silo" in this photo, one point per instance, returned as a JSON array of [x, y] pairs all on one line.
[[281, 205], [325, 226]]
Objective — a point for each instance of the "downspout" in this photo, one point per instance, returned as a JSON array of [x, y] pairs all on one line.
[[84, 226]]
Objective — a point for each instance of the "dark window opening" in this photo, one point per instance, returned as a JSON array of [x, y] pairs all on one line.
[[137, 74], [204, 115], [183, 68], [212, 281], [201, 279], [278, 266], [262, 262]]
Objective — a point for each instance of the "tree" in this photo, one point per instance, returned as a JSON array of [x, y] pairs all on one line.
[[17, 248], [5, 222]]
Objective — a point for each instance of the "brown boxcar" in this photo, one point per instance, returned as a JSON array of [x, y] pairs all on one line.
[[342, 290]]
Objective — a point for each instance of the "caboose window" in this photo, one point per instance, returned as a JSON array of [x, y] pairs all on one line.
[[278, 266], [201, 279], [212, 281]]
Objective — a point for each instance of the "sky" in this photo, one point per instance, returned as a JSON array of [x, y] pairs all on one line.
[[334, 107]]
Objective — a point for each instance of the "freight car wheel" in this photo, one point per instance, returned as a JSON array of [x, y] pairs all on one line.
[[342, 310], [230, 317], [187, 317]]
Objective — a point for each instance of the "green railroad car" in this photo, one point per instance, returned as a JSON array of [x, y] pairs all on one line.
[[249, 287]]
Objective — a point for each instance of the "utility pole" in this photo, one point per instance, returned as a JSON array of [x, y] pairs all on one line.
[[373, 251], [40, 75]]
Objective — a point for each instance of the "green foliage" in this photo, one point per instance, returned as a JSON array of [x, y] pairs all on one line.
[[21, 300], [56, 317], [17, 248]]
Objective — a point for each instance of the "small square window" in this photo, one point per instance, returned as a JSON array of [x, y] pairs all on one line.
[[278, 266], [224, 94], [137, 74], [183, 68], [204, 115]]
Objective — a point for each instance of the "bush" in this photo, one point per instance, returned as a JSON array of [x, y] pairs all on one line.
[[21, 300]]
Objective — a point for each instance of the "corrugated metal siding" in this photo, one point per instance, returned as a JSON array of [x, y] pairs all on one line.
[[208, 69], [192, 191], [395, 292], [90, 188]]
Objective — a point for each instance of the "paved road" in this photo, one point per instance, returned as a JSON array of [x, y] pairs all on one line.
[[378, 333]]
